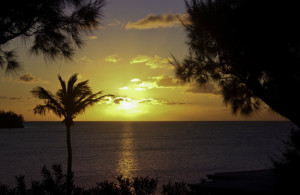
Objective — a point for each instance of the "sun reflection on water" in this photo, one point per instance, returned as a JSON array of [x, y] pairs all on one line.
[[127, 162]]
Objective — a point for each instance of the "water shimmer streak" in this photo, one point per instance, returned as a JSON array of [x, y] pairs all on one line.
[[180, 151]]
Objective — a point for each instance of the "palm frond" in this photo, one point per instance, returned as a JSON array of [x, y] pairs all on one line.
[[51, 102], [63, 87], [83, 97], [87, 102], [81, 90], [108, 95], [59, 111], [40, 109], [71, 83], [61, 96], [41, 93]]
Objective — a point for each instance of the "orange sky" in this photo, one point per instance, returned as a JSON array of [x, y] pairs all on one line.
[[128, 57]]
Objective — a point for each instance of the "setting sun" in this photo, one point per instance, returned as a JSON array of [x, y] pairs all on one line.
[[126, 105]]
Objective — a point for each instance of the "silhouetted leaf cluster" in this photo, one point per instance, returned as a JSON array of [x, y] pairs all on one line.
[[250, 49], [9, 61], [69, 101], [11, 120], [51, 183], [54, 183], [176, 188], [127, 186], [55, 27]]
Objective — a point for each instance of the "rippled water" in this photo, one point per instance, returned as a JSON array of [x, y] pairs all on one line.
[[180, 151]]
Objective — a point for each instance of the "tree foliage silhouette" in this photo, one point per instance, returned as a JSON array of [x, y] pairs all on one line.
[[250, 49], [68, 102], [11, 120], [55, 27]]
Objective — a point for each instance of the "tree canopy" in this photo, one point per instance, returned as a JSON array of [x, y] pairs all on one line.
[[250, 49], [11, 120], [55, 27], [69, 101]]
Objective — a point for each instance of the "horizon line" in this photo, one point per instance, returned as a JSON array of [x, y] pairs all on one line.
[[181, 121]]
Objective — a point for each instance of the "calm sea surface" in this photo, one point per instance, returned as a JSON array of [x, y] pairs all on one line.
[[177, 151]]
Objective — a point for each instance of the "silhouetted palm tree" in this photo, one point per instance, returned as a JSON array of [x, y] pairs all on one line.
[[68, 102]]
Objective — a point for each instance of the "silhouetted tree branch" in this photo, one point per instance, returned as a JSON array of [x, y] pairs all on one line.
[[254, 45], [55, 27]]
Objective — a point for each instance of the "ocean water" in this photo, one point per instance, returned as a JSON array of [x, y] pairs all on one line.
[[176, 151]]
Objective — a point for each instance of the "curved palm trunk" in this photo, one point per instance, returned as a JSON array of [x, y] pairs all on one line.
[[69, 168]]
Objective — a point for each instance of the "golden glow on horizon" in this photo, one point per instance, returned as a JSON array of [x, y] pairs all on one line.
[[134, 65], [125, 107]]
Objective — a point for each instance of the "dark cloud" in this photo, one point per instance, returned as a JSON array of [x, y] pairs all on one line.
[[29, 78], [150, 101], [118, 100], [175, 103], [14, 98], [145, 101], [160, 102], [159, 21]]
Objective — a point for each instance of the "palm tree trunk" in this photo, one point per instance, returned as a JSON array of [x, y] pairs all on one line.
[[69, 168]]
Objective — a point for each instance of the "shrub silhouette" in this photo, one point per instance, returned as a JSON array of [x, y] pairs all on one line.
[[11, 120], [176, 188], [287, 169], [144, 185], [54, 183]]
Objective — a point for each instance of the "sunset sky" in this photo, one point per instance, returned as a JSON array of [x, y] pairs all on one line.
[[128, 57]]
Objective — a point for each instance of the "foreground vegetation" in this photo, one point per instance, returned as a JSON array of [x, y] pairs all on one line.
[[55, 183], [287, 168], [11, 120]]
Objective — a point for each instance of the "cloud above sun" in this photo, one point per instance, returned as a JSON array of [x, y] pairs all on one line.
[[153, 62], [159, 82], [135, 102], [168, 82], [159, 21], [112, 58]]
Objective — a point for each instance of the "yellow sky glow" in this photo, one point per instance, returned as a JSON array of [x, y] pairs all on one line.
[[128, 57]]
